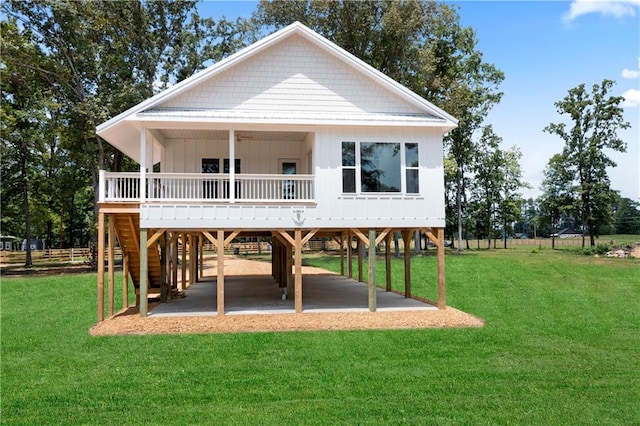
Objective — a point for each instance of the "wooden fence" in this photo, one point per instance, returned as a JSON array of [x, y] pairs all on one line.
[[48, 256]]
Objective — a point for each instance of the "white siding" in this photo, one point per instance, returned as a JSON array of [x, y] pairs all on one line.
[[293, 76], [333, 209]]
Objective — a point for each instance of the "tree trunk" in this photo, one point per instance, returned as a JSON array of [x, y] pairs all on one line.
[[27, 213], [459, 205]]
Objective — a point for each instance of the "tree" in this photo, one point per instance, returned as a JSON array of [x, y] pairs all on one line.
[[557, 198], [496, 181], [23, 109], [96, 68], [487, 168], [626, 216], [510, 201], [595, 118]]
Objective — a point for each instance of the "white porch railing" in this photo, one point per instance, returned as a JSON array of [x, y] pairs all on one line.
[[201, 187]]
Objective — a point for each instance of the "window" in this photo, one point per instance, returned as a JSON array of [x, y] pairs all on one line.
[[349, 167], [380, 167], [236, 167], [210, 186], [210, 165], [411, 169]]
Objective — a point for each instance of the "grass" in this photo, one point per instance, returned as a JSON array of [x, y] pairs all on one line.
[[560, 346]]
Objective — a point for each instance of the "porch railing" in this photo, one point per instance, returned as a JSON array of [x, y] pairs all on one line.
[[202, 187]]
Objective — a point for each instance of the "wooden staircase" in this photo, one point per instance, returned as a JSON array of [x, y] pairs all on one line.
[[127, 227]]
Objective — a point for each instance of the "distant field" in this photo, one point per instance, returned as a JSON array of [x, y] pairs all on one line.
[[560, 346]]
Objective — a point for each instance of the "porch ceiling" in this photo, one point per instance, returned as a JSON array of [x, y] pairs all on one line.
[[241, 135]]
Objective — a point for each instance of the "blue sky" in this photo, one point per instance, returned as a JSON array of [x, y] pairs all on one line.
[[546, 48]]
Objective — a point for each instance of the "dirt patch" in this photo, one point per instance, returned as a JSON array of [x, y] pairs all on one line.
[[129, 321]]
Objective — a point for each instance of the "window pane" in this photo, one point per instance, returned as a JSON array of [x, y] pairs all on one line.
[[411, 154], [349, 180], [413, 187], [348, 154], [210, 165], [225, 165], [380, 166]]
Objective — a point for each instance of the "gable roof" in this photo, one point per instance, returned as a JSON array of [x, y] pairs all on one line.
[[154, 109]]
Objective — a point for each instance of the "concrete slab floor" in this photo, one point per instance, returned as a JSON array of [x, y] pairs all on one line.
[[260, 294]]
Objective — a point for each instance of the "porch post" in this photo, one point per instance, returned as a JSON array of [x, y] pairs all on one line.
[[441, 283], [144, 272], [125, 281], [343, 236], [100, 266], [111, 273], [232, 166], [143, 166], [183, 269], [387, 256], [349, 255], [102, 184], [201, 253], [174, 263], [298, 268], [360, 252], [373, 302], [406, 238], [220, 280]]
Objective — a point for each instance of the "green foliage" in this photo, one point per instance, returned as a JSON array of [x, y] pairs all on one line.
[[83, 62], [596, 118]]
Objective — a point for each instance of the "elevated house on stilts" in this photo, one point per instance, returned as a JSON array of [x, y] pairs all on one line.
[[290, 138]]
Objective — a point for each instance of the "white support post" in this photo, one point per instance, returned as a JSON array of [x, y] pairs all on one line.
[[232, 166], [102, 183], [143, 165]]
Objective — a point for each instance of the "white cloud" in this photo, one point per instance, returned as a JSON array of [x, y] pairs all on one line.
[[631, 74], [617, 8], [631, 98]]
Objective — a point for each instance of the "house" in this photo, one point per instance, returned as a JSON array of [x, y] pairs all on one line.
[[8, 242], [36, 244], [568, 233], [290, 138]]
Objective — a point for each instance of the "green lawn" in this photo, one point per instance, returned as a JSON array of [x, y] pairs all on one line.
[[561, 345]]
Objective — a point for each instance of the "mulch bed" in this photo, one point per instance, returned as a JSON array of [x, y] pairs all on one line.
[[130, 323]]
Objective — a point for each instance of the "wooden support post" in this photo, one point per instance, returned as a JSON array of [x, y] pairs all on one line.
[[343, 236], [163, 270], [372, 271], [349, 254], [359, 248], [220, 281], [287, 258], [174, 264], [144, 273], [125, 281], [201, 263], [183, 283], [406, 239], [100, 266], [192, 261], [441, 282], [387, 258], [110, 265], [298, 267]]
